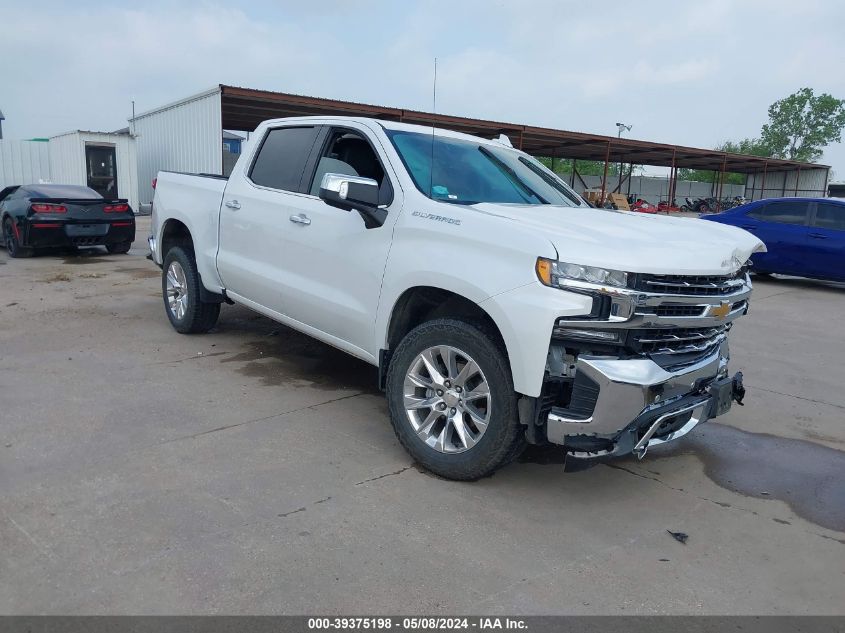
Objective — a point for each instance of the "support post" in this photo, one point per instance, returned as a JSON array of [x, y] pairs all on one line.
[[604, 177], [673, 175], [763, 184], [572, 175], [722, 177], [797, 178]]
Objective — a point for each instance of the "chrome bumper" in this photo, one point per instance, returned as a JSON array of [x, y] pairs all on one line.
[[638, 396]]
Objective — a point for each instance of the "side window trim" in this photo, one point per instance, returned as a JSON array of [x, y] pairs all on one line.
[[314, 159], [257, 154]]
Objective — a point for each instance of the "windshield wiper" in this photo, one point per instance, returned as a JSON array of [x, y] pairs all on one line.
[[549, 179], [511, 173]]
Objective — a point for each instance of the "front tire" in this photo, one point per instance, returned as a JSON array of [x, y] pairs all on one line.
[[180, 288], [452, 402], [13, 247]]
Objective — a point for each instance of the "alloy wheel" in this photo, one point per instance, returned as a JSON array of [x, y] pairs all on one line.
[[447, 399], [177, 290]]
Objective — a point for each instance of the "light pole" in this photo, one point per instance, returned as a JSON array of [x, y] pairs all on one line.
[[622, 127]]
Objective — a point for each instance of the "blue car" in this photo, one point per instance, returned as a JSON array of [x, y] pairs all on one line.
[[805, 237]]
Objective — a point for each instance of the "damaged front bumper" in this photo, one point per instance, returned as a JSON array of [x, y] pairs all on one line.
[[639, 404]]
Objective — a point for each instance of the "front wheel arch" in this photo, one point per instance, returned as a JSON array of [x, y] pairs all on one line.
[[420, 304]]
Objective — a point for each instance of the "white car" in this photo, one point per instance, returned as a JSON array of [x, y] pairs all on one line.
[[499, 307]]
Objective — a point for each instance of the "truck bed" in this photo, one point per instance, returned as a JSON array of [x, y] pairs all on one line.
[[194, 200]]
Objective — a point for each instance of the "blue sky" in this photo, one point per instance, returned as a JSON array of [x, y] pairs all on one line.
[[680, 72]]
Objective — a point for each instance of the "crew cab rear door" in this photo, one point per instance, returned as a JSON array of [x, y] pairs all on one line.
[[260, 197]]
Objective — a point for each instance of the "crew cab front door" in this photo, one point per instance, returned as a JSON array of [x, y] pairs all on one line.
[[334, 264], [782, 225]]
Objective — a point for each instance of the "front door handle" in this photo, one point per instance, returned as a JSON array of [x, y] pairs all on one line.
[[818, 236], [300, 219], [233, 204]]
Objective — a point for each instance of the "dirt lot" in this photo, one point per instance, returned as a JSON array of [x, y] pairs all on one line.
[[253, 470]]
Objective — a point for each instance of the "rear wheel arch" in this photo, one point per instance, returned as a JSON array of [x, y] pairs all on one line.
[[175, 233]]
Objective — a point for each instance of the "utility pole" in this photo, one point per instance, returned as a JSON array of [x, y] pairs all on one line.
[[2, 118], [622, 127]]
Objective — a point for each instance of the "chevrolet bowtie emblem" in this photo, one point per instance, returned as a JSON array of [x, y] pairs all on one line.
[[720, 311]]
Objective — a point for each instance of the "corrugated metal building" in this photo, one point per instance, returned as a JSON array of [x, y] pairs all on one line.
[[185, 135], [24, 162], [106, 162]]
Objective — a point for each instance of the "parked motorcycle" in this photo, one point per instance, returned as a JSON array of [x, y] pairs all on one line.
[[702, 205]]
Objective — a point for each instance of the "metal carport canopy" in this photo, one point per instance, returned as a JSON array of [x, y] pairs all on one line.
[[245, 108]]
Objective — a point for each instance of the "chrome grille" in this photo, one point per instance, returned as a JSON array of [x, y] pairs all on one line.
[[697, 285], [669, 310], [675, 340]]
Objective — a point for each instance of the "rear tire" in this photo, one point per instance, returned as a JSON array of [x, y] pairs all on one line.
[[180, 288], [463, 434], [13, 247], [119, 248]]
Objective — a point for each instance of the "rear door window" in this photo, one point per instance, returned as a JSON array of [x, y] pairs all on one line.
[[785, 212], [830, 216], [282, 156]]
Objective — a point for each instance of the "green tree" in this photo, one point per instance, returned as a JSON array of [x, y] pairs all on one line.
[[801, 125], [563, 166], [752, 146]]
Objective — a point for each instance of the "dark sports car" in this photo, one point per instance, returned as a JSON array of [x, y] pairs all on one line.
[[41, 216]]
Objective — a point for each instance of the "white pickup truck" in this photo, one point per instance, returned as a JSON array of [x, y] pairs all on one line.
[[500, 308]]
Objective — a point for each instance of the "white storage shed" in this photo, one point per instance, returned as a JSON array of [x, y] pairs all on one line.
[[106, 162]]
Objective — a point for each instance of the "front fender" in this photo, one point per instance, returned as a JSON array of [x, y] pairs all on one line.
[[525, 317]]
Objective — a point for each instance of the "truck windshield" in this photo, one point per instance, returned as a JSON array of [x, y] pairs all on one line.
[[466, 172]]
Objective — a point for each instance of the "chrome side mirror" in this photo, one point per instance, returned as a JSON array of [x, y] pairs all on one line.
[[349, 192]]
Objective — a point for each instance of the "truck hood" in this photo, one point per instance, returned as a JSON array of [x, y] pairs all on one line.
[[634, 242]]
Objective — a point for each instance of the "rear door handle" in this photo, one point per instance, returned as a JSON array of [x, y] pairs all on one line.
[[818, 236], [233, 204], [300, 219], [749, 227]]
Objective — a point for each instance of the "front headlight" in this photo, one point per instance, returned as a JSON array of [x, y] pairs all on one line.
[[552, 273]]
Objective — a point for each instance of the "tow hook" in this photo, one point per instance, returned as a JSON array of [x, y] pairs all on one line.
[[640, 452], [738, 389]]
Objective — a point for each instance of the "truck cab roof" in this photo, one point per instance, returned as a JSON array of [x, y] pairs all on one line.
[[385, 124]]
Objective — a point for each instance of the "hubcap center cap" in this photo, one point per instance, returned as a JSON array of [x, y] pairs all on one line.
[[451, 398]]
